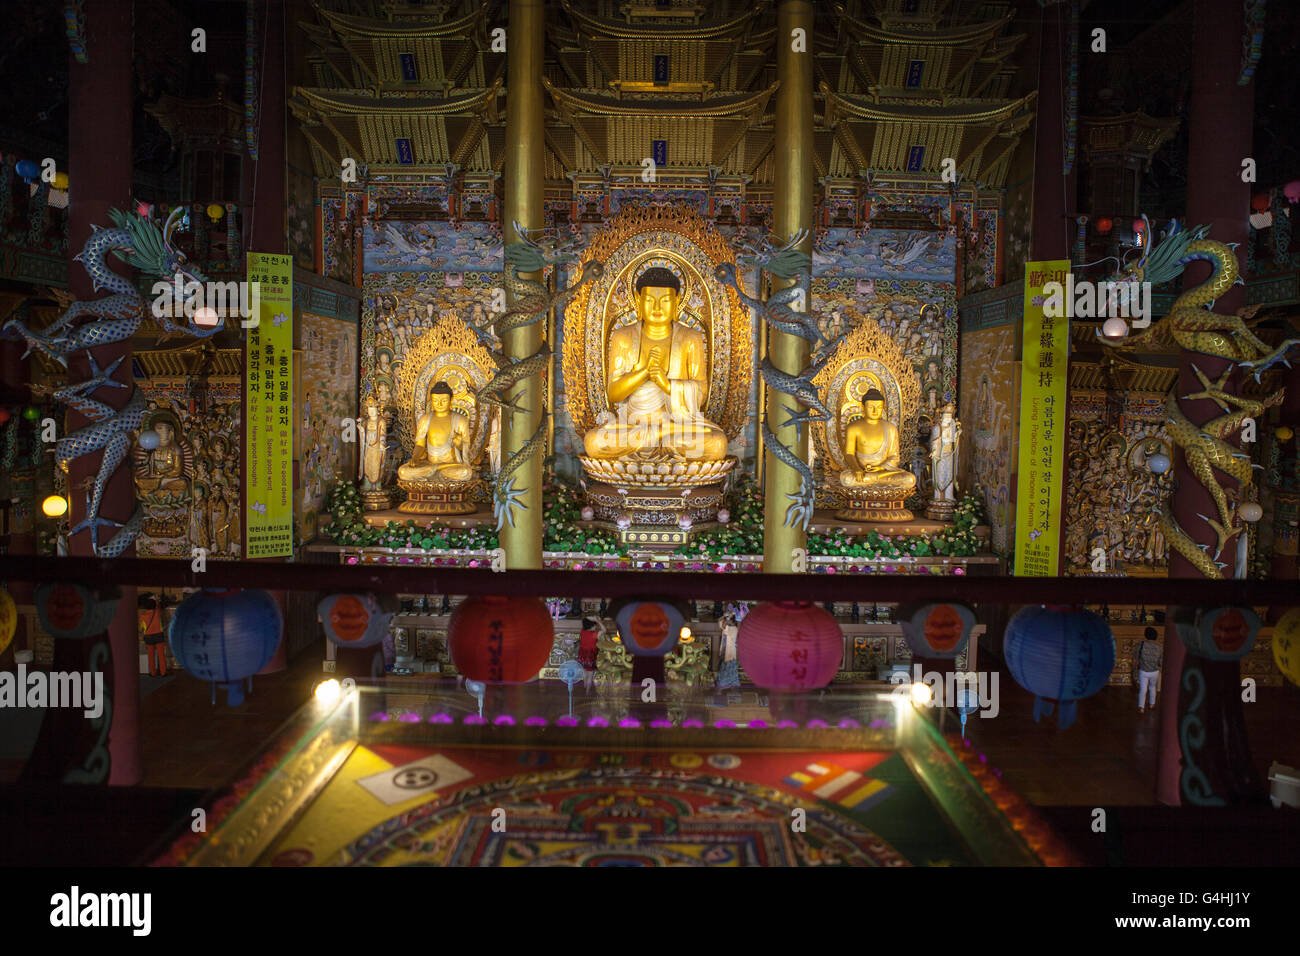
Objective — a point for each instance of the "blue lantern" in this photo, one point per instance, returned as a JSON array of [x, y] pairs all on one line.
[[226, 636], [28, 170], [1059, 654]]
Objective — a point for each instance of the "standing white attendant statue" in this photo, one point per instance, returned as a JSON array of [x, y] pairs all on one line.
[[373, 435], [945, 438]]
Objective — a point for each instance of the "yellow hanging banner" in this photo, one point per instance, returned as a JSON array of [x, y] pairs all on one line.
[[1041, 459], [268, 409]]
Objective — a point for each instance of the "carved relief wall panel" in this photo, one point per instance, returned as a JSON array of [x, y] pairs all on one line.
[[987, 409], [1112, 496], [327, 372], [189, 484]]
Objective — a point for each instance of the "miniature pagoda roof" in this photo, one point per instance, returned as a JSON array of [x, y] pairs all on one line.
[[659, 32]]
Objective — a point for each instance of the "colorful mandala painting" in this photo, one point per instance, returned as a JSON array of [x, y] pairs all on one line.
[[619, 817]]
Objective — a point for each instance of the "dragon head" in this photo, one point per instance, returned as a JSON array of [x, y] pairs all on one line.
[[152, 249]]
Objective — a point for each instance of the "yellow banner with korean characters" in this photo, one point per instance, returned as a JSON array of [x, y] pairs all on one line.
[[1043, 397], [268, 409]]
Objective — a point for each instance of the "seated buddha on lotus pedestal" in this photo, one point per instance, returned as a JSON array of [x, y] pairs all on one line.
[[438, 479], [658, 377], [874, 483]]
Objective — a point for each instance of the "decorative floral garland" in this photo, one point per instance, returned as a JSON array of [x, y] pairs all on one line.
[[714, 549]]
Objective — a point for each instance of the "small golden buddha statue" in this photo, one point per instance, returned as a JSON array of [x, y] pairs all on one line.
[[161, 473], [658, 378], [441, 439], [871, 450]]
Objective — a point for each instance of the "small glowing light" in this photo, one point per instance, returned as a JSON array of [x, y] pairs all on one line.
[[55, 506], [206, 317], [1251, 512], [1159, 464], [921, 693], [216, 211], [327, 692], [686, 635], [149, 440], [1283, 433], [1114, 328]]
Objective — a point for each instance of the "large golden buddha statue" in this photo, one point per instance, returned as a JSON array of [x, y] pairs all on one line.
[[441, 439], [871, 450], [658, 379]]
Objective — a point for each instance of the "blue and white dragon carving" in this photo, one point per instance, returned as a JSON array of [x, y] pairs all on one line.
[[115, 318], [788, 310], [532, 301]]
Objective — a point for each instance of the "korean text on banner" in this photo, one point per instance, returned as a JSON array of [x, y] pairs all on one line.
[[268, 409], [1043, 399]]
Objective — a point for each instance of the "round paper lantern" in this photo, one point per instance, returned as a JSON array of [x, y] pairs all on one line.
[[938, 630], [226, 636], [5, 416], [1159, 463], [1283, 432], [1139, 225], [1286, 645], [60, 181], [55, 506], [148, 440], [353, 620], [1292, 191], [1220, 634], [504, 640], [28, 170], [8, 619], [1059, 654], [1250, 511], [790, 645], [206, 317], [144, 209], [31, 413], [72, 611], [1104, 225], [649, 628], [216, 211], [1114, 328], [1259, 202]]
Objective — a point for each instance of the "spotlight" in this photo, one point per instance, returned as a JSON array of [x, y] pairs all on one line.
[[327, 692]]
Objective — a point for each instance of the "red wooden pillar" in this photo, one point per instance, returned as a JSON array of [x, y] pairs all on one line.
[[100, 119], [1220, 138], [265, 206]]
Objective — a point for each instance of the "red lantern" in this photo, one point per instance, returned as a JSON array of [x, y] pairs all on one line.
[[1105, 225], [1139, 225], [1219, 634], [944, 628], [790, 645], [1259, 202], [64, 607], [4, 415], [503, 640], [1292, 191], [649, 628]]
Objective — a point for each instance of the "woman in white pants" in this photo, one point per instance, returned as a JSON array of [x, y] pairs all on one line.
[[1147, 659]]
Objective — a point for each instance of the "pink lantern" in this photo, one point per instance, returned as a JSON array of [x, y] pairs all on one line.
[[790, 645], [1292, 191]]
